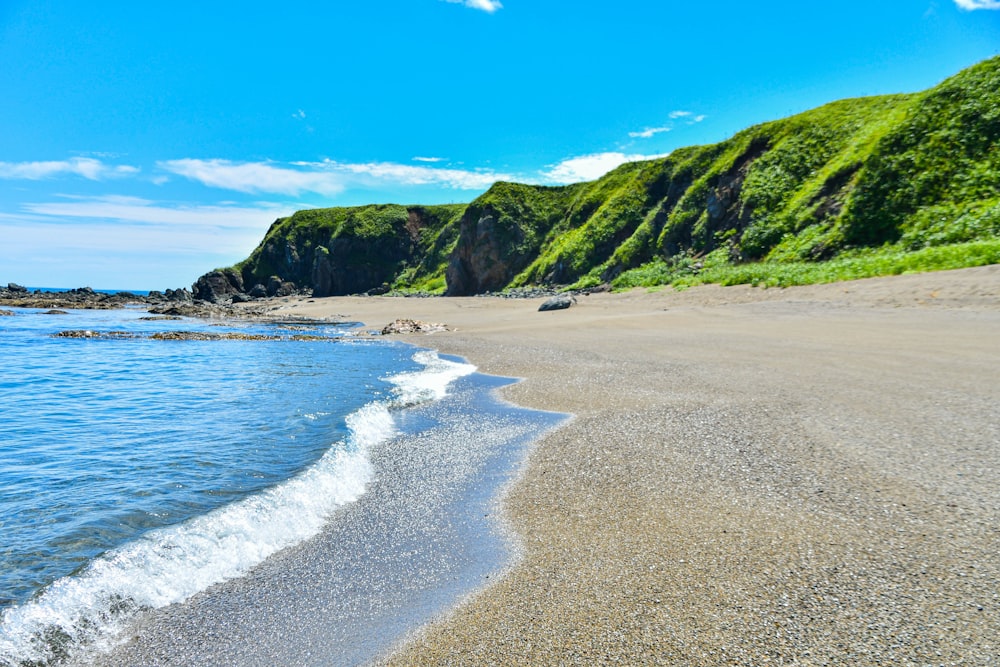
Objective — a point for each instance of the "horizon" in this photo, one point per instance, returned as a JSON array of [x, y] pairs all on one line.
[[146, 146]]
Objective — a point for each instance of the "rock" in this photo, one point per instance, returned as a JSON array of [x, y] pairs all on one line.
[[273, 285], [258, 291], [240, 297], [86, 333], [486, 255], [14, 287], [55, 311], [559, 302], [183, 294], [218, 286], [405, 326], [6, 313]]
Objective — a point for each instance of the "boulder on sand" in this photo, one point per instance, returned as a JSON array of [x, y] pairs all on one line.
[[558, 302]]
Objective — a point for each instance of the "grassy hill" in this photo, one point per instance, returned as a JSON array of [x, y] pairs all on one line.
[[857, 187]]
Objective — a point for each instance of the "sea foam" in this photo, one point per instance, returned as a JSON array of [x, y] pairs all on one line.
[[87, 611]]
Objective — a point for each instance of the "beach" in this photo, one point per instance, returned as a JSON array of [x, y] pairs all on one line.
[[807, 475]]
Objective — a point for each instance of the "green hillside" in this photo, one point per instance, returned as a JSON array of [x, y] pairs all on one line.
[[857, 187]]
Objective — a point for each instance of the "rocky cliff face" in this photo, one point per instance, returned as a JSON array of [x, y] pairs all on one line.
[[338, 251], [486, 258]]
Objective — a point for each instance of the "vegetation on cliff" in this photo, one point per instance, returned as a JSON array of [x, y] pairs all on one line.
[[857, 187], [357, 249]]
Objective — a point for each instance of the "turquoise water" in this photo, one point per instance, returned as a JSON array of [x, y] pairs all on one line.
[[136, 472]]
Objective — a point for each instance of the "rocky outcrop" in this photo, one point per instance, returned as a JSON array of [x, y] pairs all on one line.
[[481, 261], [218, 286], [80, 297], [337, 251], [406, 326]]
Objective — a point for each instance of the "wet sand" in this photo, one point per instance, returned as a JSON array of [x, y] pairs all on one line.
[[798, 476], [424, 534]]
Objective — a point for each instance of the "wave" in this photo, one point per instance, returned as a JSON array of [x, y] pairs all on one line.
[[88, 611]]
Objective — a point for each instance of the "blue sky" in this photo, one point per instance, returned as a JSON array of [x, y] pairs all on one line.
[[142, 144]]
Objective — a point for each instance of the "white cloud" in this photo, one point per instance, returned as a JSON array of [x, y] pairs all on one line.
[[489, 6], [253, 177], [689, 117], [142, 211], [404, 174], [88, 168], [126, 242], [590, 167], [648, 132], [970, 5], [327, 178], [428, 159]]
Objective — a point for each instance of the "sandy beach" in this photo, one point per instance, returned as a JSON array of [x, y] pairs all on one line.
[[799, 476]]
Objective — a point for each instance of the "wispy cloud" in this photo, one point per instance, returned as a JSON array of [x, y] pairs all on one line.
[[590, 167], [327, 178], [488, 6], [428, 159], [970, 5], [688, 115], [648, 132], [158, 243], [89, 168], [404, 174], [252, 177], [143, 211]]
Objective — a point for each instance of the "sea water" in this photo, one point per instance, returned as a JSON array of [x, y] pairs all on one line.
[[136, 472]]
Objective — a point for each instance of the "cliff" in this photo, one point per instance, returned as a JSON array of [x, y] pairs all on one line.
[[907, 171]]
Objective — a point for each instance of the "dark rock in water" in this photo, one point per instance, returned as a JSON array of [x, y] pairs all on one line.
[[258, 291], [560, 302], [6, 313], [55, 311], [218, 286], [182, 294], [87, 333]]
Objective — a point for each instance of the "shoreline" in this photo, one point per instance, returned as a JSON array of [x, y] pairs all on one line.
[[806, 474], [423, 535]]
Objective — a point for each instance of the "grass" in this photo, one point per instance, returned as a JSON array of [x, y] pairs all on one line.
[[855, 188], [868, 263]]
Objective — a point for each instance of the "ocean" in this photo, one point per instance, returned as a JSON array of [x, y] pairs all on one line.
[[137, 473]]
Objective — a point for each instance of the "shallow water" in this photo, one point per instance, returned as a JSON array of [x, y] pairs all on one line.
[[220, 491], [136, 472]]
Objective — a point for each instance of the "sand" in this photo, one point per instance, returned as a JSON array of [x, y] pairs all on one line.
[[799, 476]]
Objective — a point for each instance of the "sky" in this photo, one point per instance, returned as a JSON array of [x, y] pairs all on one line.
[[143, 144]]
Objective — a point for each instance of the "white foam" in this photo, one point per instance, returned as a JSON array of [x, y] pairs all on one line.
[[432, 382], [170, 565]]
